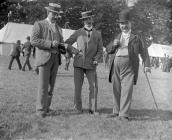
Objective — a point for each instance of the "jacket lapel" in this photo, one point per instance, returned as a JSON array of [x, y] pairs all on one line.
[[132, 36]]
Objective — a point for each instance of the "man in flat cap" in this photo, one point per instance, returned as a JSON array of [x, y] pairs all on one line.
[[124, 65], [46, 38], [90, 46]]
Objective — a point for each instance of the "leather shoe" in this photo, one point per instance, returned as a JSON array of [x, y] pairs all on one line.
[[93, 112], [78, 111], [124, 118], [41, 114], [51, 112], [114, 115]]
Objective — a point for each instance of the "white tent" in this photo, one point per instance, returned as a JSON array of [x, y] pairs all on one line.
[[158, 50], [12, 32]]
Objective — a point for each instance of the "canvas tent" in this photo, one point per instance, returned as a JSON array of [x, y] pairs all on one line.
[[158, 50], [12, 32]]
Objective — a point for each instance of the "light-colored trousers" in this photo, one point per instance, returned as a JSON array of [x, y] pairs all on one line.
[[122, 85], [46, 81], [93, 86]]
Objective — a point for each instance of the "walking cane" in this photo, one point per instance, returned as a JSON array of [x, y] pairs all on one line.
[[151, 91]]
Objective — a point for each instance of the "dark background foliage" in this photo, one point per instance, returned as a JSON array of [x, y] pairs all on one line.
[[151, 18]]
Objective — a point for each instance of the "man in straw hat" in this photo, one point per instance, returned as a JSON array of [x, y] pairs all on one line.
[[124, 65], [46, 38], [90, 46]]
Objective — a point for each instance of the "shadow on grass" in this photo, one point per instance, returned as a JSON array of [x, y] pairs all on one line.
[[144, 114], [66, 112], [149, 114]]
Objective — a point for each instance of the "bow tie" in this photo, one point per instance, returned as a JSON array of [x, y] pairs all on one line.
[[88, 31]]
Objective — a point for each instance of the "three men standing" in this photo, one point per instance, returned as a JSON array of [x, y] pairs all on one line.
[[46, 37], [90, 46], [124, 65]]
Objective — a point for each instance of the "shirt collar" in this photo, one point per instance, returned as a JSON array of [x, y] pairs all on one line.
[[88, 28], [49, 21], [126, 35]]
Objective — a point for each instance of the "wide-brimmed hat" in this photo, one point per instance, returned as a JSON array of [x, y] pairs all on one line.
[[54, 7], [125, 16], [86, 14]]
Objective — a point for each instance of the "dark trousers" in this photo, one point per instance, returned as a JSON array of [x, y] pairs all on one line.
[[18, 62], [27, 62], [46, 81], [78, 81], [67, 63]]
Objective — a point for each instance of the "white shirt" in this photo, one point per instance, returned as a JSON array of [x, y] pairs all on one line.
[[123, 50]]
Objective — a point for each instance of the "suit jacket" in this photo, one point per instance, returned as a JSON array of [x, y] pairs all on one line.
[[27, 47], [91, 49], [42, 38], [15, 50], [136, 46]]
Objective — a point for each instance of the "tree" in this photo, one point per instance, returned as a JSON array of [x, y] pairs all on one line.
[[151, 18]]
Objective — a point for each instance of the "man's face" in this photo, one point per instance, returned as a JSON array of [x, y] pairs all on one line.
[[88, 21], [53, 16], [125, 26]]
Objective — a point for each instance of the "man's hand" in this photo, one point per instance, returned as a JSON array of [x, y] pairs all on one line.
[[55, 43], [95, 62], [116, 42], [64, 44], [147, 69]]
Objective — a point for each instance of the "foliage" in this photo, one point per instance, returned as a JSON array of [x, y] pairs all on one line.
[[151, 17]]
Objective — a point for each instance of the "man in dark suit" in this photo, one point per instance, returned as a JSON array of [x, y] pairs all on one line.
[[27, 48], [15, 54], [90, 46], [124, 65], [68, 56], [46, 37]]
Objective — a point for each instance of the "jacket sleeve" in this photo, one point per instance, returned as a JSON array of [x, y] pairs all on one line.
[[144, 52], [37, 39], [70, 41], [99, 54]]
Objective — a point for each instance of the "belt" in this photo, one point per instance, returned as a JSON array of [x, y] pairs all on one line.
[[123, 56]]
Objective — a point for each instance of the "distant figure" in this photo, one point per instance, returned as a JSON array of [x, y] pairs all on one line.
[[27, 47], [15, 54], [166, 62], [106, 59], [68, 56]]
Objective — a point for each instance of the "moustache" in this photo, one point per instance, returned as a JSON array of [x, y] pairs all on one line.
[[125, 28]]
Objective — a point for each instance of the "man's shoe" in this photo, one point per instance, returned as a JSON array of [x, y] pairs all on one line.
[[78, 111], [51, 112], [93, 112], [41, 114], [124, 118], [114, 115]]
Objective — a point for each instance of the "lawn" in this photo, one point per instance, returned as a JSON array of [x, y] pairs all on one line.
[[18, 121]]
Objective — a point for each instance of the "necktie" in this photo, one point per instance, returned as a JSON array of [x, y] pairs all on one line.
[[88, 31]]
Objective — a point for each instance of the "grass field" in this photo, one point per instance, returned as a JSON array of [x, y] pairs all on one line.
[[18, 92]]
